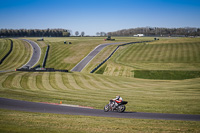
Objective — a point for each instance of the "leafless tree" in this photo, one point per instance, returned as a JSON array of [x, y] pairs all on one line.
[[76, 33], [82, 33]]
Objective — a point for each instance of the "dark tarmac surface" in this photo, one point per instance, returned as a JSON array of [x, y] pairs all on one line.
[[35, 56], [59, 109]]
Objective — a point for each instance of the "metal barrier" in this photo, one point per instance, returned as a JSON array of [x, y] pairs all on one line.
[[41, 70], [45, 57]]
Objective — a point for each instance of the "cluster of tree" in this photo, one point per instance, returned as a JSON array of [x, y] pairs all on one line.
[[101, 34], [82, 33], [34, 33], [155, 31]]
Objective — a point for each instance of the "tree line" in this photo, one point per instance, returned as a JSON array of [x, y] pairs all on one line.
[[155, 31], [34, 33], [101, 34]]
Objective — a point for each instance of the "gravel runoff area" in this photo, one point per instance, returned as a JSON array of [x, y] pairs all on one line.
[[87, 111]]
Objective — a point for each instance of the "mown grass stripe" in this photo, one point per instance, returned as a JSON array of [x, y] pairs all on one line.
[[108, 83], [86, 83], [156, 54], [59, 81], [129, 51], [162, 53], [116, 83], [32, 81], [135, 50], [7, 82], [173, 52], [46, 81], [191, 53], [4, 47], [148, 53], [97, 83], [52, 82], [167, 54], [181, 51], [79, 81], [16, 82], [40, 81], [198, 47], [17, 57], [27, 53], [143, 53], [196, 51], [3, 77], [73, 83], [66, 81], [24, 81], [5, 65]]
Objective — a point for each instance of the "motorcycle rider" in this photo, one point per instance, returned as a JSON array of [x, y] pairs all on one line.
[[116, 101]]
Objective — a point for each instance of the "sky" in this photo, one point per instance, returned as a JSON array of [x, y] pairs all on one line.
[[92, 16]]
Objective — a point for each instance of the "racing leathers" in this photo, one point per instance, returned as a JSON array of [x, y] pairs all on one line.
[[116, 101]]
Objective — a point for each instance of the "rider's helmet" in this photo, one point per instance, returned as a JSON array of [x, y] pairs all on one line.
[[117, 97]]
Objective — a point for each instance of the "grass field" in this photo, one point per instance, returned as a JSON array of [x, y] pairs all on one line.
[[20, 54], [4, 47], [166, 54], [66, 56], [95, 90], [16, 121]]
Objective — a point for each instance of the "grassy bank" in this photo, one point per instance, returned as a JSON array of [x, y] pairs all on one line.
[[19, 56], [166, 54], [66, 56], [96, 90], [15, 121], [4, 47]]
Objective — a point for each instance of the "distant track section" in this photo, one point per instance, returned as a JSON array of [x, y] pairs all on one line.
[[79, 67], [35, 56]]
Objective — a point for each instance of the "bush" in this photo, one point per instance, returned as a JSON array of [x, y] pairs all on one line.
[[166, 74]]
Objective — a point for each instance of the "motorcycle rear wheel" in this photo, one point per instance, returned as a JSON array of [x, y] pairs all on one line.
[[121, 108]]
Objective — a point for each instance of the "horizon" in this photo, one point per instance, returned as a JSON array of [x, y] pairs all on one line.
[[99, 15]]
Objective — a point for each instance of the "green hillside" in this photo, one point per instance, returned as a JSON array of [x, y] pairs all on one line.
[[96, 90], [4, 47], [166, 54], [20, 54], [66, 56]]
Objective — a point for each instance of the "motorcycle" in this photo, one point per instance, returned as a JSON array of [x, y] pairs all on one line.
[[111, 107]]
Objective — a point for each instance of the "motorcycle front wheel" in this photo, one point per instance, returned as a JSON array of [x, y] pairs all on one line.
[[106, 108]]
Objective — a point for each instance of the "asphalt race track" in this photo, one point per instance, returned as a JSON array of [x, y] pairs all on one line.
[[90, 56], [60, 109], [35, 56]]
